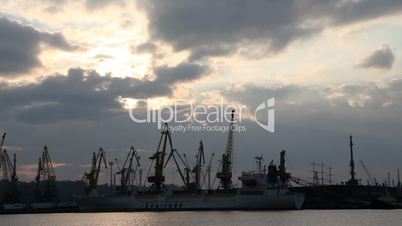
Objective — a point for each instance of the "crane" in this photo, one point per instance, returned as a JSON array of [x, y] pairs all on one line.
[[91, 178], [8, 169], [200, 162], [368, 173], [8, 166], [46, 175], [225, 175], [158, 178], [208, 172], [129, 168], [3, 138], [5, 162]]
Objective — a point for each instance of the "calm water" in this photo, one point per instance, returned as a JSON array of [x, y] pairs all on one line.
[[285, 218]]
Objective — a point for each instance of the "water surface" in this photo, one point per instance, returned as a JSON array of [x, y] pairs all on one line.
[[212, 218]]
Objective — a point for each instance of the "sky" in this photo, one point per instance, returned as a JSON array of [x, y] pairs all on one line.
[[69, 70]]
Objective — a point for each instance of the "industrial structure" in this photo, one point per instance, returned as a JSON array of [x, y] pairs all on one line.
[[10, 179], [267, 187], [45, 189], [91, 178], [225, 173]]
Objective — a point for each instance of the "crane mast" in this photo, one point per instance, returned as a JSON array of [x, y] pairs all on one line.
[[8, 169], [6, 164], [158, 178], [225, 175], [91, 178], [127, 170], [197, 169], [46, 176], [2, 141]]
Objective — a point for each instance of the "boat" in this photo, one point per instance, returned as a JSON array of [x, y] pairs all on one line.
[[260, 190], [12, 208]]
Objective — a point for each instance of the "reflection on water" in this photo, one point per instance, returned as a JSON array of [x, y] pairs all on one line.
[[285, 218]]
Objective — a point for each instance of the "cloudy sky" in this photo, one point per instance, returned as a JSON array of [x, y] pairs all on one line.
[[68, 70]]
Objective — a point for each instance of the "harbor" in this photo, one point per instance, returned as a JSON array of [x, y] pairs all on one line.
[[267, 187]]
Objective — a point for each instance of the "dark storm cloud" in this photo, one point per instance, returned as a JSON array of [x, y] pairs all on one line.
[[214, 28], [353, 11], [86, 95], [20, 47], [381, 58]]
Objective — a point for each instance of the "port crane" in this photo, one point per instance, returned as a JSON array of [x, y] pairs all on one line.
[[197, 169], [10, 178], [3, 138], [46, 176], [208, 173], [91, 178], [158, 158], [225, 175], [371, 180], [129, 168]]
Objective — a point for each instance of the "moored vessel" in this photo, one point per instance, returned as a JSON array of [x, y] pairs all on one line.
[[260, 190]]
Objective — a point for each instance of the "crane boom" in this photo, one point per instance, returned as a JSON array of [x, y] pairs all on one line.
[[368, 173], [46, 175], [158, 157], [91, 178], [2, 141], [127, 170]]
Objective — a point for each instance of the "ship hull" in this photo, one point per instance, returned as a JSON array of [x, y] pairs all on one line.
[[192, 201]]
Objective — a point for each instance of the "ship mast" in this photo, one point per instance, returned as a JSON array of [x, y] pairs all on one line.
[[225, 175]]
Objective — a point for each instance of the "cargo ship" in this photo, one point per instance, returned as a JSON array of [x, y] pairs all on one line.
[[261, 189], [351, 194]]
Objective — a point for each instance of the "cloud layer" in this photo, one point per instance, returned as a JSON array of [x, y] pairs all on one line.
[[87, 95], [20, 47], [257, 28]]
